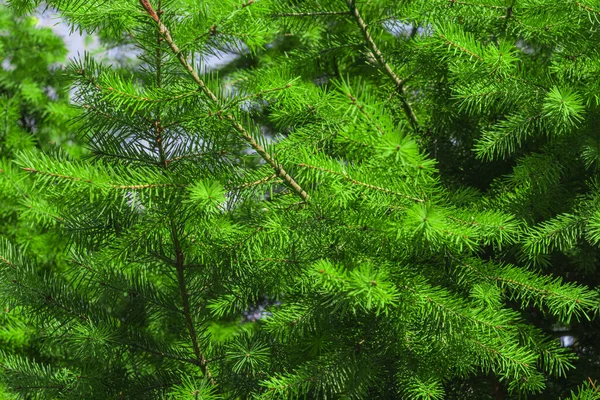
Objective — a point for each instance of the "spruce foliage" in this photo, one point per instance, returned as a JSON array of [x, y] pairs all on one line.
[[34, 113], [388, 188]]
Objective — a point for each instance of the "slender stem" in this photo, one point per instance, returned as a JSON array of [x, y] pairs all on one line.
[[400, 84], [180, 267], [311, 14], [279, 170], [179, 256], [157, 122]]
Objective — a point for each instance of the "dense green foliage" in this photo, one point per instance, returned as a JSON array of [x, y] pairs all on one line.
[[376, 199], [34, 114]]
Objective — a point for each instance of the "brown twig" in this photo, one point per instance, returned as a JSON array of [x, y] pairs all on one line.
[[363, 184], [587, 8], [361, 108], [183, 291], [311, 14], [400, 84]]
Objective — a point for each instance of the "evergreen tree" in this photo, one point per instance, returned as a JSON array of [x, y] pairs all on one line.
[[396, 182], [34, 113]]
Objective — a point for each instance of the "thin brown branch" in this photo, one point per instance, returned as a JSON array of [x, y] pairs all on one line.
[[183, 292], [361, 108], [464, 3], [587, 8], [400, 84], [112, 186], [255, 183], [279, 170], [158, 128], [544, 293], [459, 47], [311, 14], [7, 262], [498, 352], [364, 184], [51, 300]]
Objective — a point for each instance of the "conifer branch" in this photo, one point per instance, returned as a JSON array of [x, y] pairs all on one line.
[[279, 170], [179, 256], [194, 155], [400, 84], [457, 311], [311, 14], [364, 184], [497, 353], [587, 8], [103, 282], [107, 155], [49, 299], [59, 387], [254, 183], [183, 292], [459, 47], [361, 108], [7, 262], [464, 3], [254, 95], [158, 128], [111, 117], [163, 354], [112, 186]]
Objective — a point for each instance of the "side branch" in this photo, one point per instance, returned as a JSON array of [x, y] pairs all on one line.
[[364, 184], [400, 84], [7, 262], [587, 8], [109, 185], [311, 14], [279, 170]]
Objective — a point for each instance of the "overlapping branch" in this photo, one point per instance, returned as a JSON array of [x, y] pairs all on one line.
[[279, 170]]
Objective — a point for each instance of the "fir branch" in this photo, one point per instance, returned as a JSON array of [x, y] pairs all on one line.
[[311, 14], [364, 184], [459, 47], [50, 300], [104, 282], [464, 3], [105, 154], [255, 183], [194, 155], [279, 170], [361, 108], [7, 262], [183, 292], [400, 84], [158, 128], [112, 186], [461, 314], [519, 365], [179, 256], [563, 300], [163, 354], [109, 116], [587, 8]]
